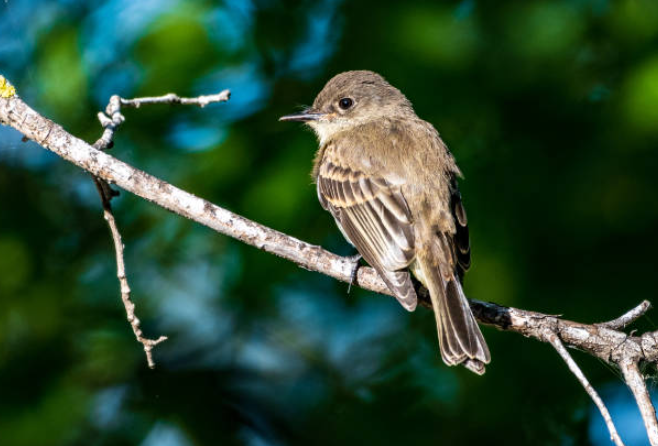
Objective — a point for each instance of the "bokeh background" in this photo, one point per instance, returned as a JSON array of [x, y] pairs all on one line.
[[550, 107]]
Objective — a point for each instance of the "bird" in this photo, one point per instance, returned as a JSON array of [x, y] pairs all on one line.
[[390, 183]]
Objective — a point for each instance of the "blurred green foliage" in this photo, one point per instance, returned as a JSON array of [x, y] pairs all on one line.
[[550, 107]]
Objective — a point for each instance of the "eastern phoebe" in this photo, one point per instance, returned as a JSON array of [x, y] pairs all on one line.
[[391, 184]]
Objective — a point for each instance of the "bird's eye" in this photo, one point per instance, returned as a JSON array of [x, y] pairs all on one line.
[[345, 103]]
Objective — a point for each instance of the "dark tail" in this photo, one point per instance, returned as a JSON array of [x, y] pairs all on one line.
[[460, 338]]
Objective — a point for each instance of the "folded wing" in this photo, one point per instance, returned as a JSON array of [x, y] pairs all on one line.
[[375, 218]]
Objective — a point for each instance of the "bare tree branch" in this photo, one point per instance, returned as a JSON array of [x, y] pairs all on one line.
[[123, 282], [637, 385], [627, 318], [112, 118], [562, 351], [604, 341]]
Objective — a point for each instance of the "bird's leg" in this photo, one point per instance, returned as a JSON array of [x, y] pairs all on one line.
[[355, 259]]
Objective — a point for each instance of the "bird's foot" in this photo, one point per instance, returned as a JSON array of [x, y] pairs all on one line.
[[355, 259]]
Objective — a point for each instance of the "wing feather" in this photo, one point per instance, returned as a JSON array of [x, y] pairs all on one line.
[[461, 241], [374, 216]]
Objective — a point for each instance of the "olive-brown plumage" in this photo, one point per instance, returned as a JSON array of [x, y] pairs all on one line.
[[391, 184]]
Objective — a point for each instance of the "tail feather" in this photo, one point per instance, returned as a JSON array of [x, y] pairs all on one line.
[[463, 326], [460, 338]]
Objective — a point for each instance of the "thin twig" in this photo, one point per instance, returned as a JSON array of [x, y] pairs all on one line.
[[636, 383], [627, 318], [123, 281], [112, 118], [172, 98], [573, 367]]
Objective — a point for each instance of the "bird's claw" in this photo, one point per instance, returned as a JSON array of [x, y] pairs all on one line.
[[355, 259]]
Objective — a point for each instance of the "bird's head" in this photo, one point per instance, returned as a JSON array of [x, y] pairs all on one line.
[[351, 99]]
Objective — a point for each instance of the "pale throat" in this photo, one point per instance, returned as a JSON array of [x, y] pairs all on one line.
[[325, 128]]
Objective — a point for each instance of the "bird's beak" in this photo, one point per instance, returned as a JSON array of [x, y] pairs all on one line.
[[305, 116]]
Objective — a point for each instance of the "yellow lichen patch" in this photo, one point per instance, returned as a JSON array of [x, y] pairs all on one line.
[[7, 90]]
